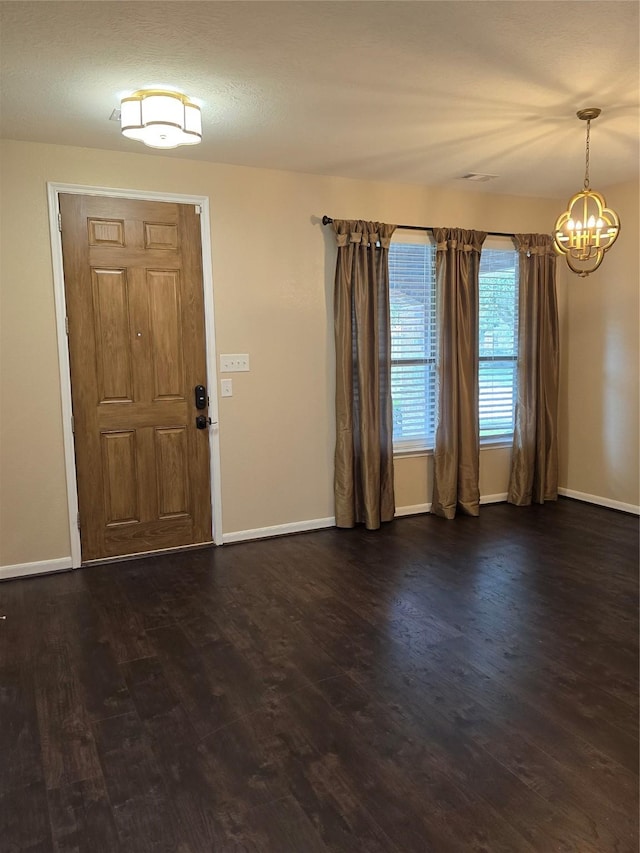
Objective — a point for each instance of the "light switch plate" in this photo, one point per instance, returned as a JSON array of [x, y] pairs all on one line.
[[226, 388], [234, 362]]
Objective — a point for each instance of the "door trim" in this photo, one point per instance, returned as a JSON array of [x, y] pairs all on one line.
[[53, 191]]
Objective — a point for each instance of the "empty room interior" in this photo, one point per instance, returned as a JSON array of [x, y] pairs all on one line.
[[320, 445]]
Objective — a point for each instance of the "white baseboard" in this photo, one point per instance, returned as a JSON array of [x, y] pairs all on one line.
[[42, 567], [596, 499], [278, 530], [493, 499], [419, 509], [416, 509]]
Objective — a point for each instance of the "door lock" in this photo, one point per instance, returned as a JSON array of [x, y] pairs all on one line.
[[200, 393], [202, 421]]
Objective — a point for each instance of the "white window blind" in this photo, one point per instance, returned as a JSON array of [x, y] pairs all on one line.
[[414, 339], [498, 341]]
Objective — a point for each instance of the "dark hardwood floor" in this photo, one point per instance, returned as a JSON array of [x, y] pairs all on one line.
[[436, 686]]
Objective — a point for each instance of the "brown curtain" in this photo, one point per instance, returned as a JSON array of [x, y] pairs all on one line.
[[534, 464], [363, 482], [457, 444]]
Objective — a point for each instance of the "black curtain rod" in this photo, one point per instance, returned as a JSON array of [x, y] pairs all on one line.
[[327, 220]]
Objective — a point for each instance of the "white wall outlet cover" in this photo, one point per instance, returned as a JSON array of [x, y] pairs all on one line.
[[226, 388]]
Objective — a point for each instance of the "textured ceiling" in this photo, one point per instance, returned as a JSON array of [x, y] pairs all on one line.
[[418, 92]]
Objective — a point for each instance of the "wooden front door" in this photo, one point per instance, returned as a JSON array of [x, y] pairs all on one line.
[[133, 284]]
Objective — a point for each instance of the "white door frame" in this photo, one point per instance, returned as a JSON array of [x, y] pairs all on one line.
[[53, 191]]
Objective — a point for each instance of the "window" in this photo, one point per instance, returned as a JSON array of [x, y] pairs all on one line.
[[413, 342], [414, 339], [497, 341]]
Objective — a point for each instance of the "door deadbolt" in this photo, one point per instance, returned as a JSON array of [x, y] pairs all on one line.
[[200, 393]]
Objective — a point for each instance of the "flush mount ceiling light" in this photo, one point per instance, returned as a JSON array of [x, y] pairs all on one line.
[[160, 119], [587, 228]]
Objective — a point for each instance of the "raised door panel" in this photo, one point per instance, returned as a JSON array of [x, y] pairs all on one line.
[[106, 232], [112, 335], [165, 312], [160, 235], [172, 472], [120, 477]]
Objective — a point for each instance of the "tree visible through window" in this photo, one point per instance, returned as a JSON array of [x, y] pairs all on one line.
[[414, 340]]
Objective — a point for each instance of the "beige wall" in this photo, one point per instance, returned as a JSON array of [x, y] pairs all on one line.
[[599, 387], [273, 277]]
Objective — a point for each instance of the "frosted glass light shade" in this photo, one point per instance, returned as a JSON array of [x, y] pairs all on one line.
[[160, 119]]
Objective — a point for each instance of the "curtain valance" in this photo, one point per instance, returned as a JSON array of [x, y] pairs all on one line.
[[534, 244], [461, 239], [362, 232]]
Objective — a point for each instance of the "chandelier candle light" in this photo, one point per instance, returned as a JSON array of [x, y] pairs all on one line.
[[587, 228], [160, 119]]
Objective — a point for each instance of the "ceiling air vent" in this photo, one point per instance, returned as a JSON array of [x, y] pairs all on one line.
[[478, 177], [115, 115]]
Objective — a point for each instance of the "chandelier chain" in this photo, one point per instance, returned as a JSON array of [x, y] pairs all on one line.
[[586, 163]]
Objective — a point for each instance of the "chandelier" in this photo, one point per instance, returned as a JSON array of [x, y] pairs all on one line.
[[160, 119], [587, 228]]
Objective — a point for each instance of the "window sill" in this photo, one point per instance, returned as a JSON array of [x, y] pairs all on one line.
[[498, 443], [405, 453]]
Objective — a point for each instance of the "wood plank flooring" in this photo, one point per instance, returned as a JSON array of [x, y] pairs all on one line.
[[437, 687]]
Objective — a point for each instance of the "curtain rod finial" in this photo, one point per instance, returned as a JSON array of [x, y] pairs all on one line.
[[326, 220]]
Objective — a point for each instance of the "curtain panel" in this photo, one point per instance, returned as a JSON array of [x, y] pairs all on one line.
[[457, 445], [534, 464], [363, 481]]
